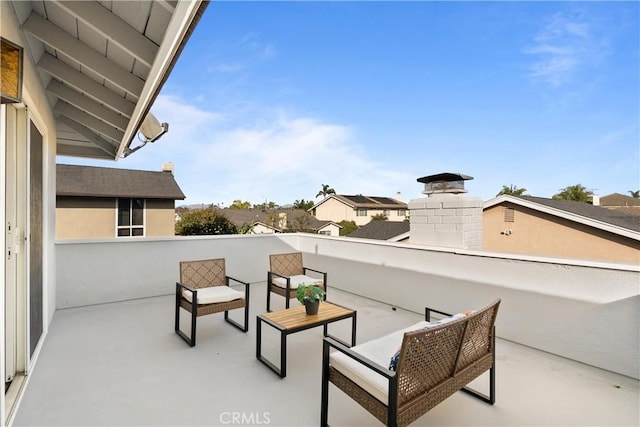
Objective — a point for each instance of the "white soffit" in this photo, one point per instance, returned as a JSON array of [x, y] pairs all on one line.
[[103, 63]]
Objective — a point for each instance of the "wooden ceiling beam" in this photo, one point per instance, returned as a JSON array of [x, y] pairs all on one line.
[[94, 138], [88, 120], [59, 39], [75, 78], [113, 28], [88, 105]]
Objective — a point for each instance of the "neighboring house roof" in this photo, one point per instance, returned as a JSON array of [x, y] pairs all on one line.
[[90, 181], [594, 216], [617, 199], [368, 202], [383, 230], [266, 216]]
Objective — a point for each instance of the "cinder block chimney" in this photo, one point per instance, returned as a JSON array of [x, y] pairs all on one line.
[[446, 217]]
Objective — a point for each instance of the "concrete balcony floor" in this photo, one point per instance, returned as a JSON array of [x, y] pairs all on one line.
[[122, 364]]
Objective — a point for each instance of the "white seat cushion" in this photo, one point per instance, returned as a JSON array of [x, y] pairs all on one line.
[[380, 351], [295, 281], [214, 294]]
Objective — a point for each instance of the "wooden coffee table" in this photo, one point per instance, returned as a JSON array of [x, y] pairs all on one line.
[[294, 320]]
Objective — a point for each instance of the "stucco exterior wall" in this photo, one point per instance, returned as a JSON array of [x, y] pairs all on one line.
[[160, 218], [79, 218], [95, 218], [332, 229], [537, 233], [336, 211]]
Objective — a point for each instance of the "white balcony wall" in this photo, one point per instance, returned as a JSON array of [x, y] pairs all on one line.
[[584, 311], [99, 271]]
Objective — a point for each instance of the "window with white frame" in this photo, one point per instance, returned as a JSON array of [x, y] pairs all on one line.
[[402, 212], [130, 217], [361, 212]]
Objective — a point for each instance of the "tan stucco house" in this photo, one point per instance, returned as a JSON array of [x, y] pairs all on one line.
[[358, 208], [560, 228], [98, 202]]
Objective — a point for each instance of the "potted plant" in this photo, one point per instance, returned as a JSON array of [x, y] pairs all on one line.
[[310, 296]]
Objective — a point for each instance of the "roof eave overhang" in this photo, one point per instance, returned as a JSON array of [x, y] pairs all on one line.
[[182, 24]]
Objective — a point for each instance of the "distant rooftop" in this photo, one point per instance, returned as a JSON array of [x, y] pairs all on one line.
[[617, 199], [360, 201], [266, 216], [381, 230]]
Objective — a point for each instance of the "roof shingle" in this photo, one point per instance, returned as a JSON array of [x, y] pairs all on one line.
[[586, 210], [381, 230], [91, 181]]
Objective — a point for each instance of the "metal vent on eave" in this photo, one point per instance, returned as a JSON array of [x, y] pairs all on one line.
[[509, 214]]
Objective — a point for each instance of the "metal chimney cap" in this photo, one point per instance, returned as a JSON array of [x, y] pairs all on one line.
[[445, 176]]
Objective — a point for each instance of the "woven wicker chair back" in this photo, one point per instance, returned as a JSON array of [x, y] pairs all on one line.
[[286, 264], [430, 356], [203, 273]]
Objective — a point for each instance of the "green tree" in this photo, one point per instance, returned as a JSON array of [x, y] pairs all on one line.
[[204, 222], [348, 227], [300, 222], [245, 228], [635, 194], [266, 205], [302, 204], [577, 193], [239, 204], [325, 191], [512, 190], [379, 217]]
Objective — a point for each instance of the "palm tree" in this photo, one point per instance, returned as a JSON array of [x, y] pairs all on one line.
[[512, 190], [634, 194], [577, 193], [303, 204], [239, 204], [326, 190]]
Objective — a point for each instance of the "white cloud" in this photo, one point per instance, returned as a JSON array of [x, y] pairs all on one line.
[[280, 157], [231, 67], [253, 41], [183, 118], [562, 47]]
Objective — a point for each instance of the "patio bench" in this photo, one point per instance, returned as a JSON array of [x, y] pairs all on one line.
[[401, 376]]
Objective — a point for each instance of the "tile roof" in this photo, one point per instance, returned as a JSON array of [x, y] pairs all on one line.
[[598, 213], [91, 181], [381, 230]]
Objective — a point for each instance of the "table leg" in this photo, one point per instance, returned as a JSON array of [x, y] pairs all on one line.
[[282, 371], [283, 354], [258, 338], [353, 329]]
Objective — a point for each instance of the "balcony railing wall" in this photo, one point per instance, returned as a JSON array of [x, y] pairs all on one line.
[[580, 310]]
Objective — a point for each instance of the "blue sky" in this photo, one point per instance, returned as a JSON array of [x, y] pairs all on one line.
[[269, 100]]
